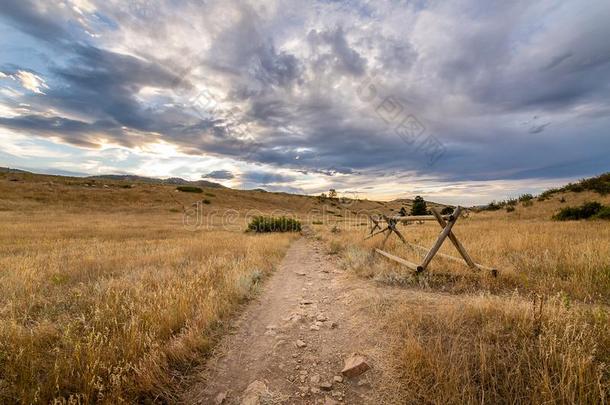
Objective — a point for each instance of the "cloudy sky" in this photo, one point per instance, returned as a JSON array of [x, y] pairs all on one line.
[[461, 101]]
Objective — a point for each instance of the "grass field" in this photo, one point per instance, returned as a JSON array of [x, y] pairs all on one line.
[[107, 304], [106, 297], [538, 333]]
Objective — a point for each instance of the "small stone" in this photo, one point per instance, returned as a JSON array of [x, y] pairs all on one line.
[[321, 318], [338, 378], [253, 394], [301, 344], [220, 398], [315, 390], [315, 378], [314, 327], [326, 386], [306, 302], [354, 366], [300, 273], [318, 323], [333, 325], [364, 384]]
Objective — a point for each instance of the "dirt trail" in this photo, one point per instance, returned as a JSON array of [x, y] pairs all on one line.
[[308, 300]]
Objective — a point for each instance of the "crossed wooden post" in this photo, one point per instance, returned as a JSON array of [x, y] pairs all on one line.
[[446, 224]]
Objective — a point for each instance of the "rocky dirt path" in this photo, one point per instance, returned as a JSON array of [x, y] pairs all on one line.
[[292, 342]]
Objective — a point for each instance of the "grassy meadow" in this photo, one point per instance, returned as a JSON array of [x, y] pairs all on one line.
[[105, 296], [538, 333]]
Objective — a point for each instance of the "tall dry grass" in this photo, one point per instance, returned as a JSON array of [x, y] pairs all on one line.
[[480, 339], [540, 255], [499, 350], [116, 308]]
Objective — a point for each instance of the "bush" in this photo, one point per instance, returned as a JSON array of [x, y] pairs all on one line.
[[262, 224], [206, 201], [599, 184], [587, 210], [189, 189], [447, 211], [510, 208], [604, 213], [493, 206], [525, 197]]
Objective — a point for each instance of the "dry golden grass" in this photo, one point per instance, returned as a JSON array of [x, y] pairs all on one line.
[[499, 350], [495, 347], [106, 297], [101, 304], [541, 255]]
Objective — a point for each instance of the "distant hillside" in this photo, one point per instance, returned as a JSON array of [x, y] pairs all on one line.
[[151, 180], [599, 184], [9, 170]]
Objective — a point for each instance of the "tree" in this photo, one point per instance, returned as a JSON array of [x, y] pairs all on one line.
[[402, 212], [332, 193], [419, 206]]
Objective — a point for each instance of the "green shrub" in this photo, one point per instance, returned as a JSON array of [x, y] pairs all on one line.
[[599, 184], [493, 206], [206, 201], [525, 197], [189, 189], [604, 213], [587, 210], [262, 224], [447, 211], [510, 208]]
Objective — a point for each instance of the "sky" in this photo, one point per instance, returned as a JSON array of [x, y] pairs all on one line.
[[461, 102]]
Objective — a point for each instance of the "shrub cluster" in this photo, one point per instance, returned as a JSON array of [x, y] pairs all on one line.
[[599, 184], [189, 189], [527, 200], [588, 210], [447, 211], [262, 224]]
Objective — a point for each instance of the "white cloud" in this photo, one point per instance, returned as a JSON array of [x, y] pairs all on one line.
[[30, 81]]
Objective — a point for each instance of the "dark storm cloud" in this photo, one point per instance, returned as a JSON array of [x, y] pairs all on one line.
[[340, 56], [219, 175], [286, 84], [27, 16], [78, 133], [104, 84]]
